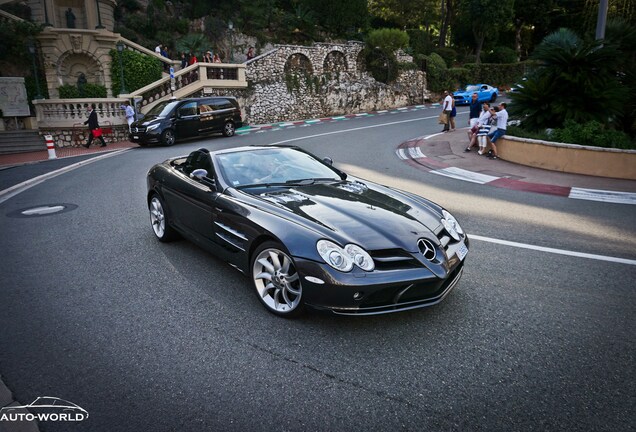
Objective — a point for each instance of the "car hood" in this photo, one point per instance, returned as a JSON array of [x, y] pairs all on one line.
[[370, 215], [147, 120]]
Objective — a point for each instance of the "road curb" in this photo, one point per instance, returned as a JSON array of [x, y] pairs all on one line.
[[412, 153]]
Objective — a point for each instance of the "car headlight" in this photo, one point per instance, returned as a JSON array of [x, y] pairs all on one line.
[[451, 225], [152, 127], [344, 259], [360, 257]]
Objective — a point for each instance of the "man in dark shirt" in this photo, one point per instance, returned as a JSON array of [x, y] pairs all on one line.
[[93, 127]]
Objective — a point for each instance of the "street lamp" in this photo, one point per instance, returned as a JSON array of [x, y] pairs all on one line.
[[230, 26], [32, 51], [99, 16], [120, 48]]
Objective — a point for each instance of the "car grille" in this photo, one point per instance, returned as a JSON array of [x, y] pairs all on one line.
[[399, 259], [140, 129]]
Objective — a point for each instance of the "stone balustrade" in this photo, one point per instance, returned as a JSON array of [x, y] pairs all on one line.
[[64, 119], [187, 81]]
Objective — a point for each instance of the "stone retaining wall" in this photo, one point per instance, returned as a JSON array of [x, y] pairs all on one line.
[[571, 158], [297, 82]]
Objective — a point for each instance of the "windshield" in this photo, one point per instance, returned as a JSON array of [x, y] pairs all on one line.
[[275, 166], [472, 88], [162, 109]]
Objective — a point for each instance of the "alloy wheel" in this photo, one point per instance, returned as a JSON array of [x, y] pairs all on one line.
[[277, 282]]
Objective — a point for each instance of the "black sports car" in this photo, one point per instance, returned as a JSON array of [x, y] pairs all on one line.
[[306, 233]]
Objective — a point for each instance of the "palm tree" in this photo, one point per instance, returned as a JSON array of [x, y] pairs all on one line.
[[575, 79]]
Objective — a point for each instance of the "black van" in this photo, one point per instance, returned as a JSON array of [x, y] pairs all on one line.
[[174, 119]]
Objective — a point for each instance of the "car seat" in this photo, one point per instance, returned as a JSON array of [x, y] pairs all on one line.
[[199, 159]]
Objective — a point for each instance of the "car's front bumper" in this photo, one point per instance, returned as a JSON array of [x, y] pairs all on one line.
[[372, 293], [148, 137]]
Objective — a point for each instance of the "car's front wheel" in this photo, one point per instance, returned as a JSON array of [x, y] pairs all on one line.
[[493, 98], [159, 221], [168, 138], [276, 280], [228, 129]]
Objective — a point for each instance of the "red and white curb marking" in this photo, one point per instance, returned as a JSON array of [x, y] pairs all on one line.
[[305, 123], [412, 153]]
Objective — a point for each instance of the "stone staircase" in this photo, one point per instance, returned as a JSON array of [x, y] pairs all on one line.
[[21, 141]]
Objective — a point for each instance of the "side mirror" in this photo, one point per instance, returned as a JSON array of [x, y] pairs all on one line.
[[328, 161], [202, 175]]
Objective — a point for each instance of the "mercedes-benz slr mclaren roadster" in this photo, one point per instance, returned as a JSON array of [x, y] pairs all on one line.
[[306, 233]]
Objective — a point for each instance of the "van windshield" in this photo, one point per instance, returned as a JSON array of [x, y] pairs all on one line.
[[162, 109]]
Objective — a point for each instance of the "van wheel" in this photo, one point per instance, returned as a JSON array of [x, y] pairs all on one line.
[[167, 137], [228, 129]]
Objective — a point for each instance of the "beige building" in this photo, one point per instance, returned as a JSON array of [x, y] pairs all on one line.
[[76, 41]]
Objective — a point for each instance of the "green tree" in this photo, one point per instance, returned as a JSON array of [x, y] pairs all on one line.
[[339, 17], [406, 13], [139, 70], [486, 17]]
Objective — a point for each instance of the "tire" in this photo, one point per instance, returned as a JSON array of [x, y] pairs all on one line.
[[168, 138], [229, 129], [276, 281], [493, 98], [158, 220]]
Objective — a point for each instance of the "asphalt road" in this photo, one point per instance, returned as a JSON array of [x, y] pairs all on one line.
[[164, 337]]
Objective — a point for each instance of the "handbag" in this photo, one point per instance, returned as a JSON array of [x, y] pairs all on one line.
[[443, 118], [97, 132]]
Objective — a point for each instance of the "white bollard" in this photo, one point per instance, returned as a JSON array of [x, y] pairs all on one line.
[[50, 146]]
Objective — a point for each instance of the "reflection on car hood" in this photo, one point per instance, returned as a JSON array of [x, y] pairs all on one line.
[[149, 119], [373, 216]]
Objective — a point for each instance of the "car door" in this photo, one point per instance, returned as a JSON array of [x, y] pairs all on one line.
[[206, 113], [188, 119], [484, 94], [191, 203]]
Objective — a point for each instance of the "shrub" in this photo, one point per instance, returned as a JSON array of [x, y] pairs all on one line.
[[460, 77], [501, 55], [382, 65], [389, 40], [497, 75], [436, 73], [420, 42], [448, 54], [591, 133], [139, 70], [89, 91]]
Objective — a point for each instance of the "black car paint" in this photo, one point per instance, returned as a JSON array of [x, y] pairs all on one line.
[[187, 123], [231, 223]]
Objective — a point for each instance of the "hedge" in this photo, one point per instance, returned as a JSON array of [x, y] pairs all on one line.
[[89, 91], [497, 75], [139, 70]]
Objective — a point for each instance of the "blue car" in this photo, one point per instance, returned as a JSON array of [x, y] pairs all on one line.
[[485, 93]]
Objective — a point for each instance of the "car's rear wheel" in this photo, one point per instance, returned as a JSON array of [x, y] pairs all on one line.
[[493, 98], [167, 137], [276, 280], [159, 221], [228, 129]]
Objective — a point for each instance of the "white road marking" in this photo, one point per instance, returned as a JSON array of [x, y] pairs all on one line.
[[554, 251], [21, 187], [402, 154], [604, 196], [416, 153], [352, 129], [462, 174]]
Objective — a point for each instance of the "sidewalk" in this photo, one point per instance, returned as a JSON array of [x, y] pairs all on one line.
[[7, 160], [444, 154]]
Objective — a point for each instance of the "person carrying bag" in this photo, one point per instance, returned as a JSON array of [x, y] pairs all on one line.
[[93, 127]]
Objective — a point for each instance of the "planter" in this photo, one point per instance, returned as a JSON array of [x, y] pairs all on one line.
[[570, 158]]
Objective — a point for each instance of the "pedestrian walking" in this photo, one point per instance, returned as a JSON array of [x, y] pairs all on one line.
[[447, 107], [453, 114], [94, 131], [130, 114]]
